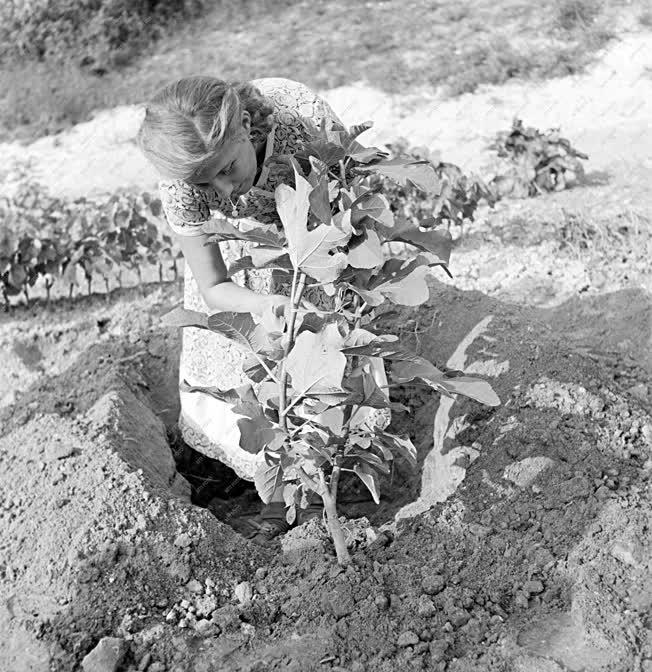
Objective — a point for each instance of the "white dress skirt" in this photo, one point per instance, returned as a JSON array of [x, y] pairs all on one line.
[[208, 359]]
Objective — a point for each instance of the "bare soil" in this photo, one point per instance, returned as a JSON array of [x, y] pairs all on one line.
[[521, 543]]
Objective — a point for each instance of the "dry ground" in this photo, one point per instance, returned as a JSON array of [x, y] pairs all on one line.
[[520, 544]]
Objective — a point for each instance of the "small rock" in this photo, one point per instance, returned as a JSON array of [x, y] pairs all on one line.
[[157, 666], [521, 601], [106, 656], [195, 586], [206, 605], [381, 602], [624, 552], [244, 592], [226, 617], [248, 629], [459, 617], [407, 638], [261, 573], [153, 634], [144, 662], [205, 628], [639, 391], [438, 650], [434, 584], [533, 587], [426, 607], [171, 616], [184, 604], [183, 540], [339, 602], [524, 472]]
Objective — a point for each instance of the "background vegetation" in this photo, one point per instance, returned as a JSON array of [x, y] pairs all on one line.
[[61, 59]]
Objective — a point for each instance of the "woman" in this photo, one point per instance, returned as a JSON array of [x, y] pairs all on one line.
[[210, 140]]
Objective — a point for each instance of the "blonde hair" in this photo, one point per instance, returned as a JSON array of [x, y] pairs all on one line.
[[189, 121]]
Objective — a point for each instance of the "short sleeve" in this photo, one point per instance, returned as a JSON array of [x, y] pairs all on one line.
[[186, 207]]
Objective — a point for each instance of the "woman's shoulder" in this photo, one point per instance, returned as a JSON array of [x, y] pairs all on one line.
[[293, 98], [186, 207]]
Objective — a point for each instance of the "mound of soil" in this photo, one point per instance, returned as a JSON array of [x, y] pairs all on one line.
[[521, 542]]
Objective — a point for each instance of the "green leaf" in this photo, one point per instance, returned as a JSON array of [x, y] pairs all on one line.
[[315, 363], [310, 251], [267, 478], [182, 317], [401, 445], [374, 206], [256, 431], [254, 370], [367, 254], [369, 458], [419, 173], [475, 388], [369, 477], [230, 396], [250, 231], [411, 290], [365, 390], [241, 328], [281, 263], [435, 241], [319, 201], [383, 348], [328, 152], [268, 257]]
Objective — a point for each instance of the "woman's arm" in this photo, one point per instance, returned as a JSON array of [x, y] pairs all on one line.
[[219, 293]]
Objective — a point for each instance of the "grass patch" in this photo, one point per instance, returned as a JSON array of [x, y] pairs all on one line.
[[395, 45]]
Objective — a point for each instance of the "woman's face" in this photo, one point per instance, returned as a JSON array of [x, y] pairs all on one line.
[[232, 172]]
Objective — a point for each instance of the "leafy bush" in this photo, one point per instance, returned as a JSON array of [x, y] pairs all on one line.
[[455, 202], [100, 33], [311, 374], [535, 162], [49, 240]]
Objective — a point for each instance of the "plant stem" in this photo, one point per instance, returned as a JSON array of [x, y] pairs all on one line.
[[298, 284], [334, 525]]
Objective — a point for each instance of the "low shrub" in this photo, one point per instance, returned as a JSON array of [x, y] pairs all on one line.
[[49, 240], [534, 162], [102, 34]]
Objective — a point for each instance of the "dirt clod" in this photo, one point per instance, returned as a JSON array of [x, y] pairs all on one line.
[[106, 656]]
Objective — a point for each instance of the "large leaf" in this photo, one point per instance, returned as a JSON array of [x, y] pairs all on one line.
[[368, 254], [315, 363], [419, 173], [435, 241], [264, 256], [369, 477], [250, 231], [256, 431], [330, 153], [412, 290], [241, 328], [310, 251], [475, 388], [182, 317], [267, 478], [374, 206]]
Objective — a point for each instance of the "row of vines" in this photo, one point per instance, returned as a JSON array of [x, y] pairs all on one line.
[[47, 241]]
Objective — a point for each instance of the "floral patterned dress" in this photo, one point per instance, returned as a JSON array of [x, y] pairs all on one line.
[[207, 358]]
